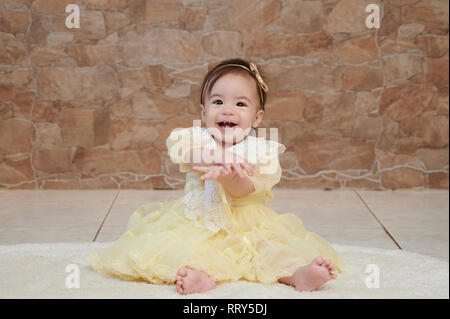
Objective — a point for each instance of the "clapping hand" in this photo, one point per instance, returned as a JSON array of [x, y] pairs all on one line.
[[225, 171]]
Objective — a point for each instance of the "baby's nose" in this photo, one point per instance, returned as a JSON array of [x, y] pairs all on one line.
[[228, 109]]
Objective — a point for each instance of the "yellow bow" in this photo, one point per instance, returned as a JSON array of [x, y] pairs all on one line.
[[259, 77]]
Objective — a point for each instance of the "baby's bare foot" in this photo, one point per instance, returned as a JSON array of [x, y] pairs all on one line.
[[189, 281], [314, 275]]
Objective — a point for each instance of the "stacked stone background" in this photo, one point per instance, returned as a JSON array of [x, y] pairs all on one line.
[[91, 108]]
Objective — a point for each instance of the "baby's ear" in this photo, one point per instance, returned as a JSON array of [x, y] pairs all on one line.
[[202, 112], [258, 118]]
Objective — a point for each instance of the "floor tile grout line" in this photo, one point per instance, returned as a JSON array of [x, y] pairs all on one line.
[[106, 216], [378, 220]]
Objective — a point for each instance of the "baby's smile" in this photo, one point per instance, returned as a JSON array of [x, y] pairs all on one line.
[[227, 127], [223, 124], [226, 132]]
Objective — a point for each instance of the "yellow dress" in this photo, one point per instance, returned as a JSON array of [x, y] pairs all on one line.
[[228, 238]]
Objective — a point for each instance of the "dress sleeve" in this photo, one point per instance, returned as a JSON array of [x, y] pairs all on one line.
[[180, 142], [267, 172]]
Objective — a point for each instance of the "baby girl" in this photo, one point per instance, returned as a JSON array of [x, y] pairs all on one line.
[[221, 229]]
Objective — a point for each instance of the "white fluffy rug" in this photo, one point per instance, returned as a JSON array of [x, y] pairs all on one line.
[[39, 271]]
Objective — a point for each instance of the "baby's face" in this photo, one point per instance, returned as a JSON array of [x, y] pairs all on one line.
[[232, 108]]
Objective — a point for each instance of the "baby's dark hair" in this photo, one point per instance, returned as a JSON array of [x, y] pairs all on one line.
[[236, 65]]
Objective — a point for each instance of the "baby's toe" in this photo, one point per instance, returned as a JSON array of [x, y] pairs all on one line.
[[182, 272], [331, 268], [327, 263], [319, 260]]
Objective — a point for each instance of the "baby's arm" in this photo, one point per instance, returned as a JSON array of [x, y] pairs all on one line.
[[237, 186], [231, 176]]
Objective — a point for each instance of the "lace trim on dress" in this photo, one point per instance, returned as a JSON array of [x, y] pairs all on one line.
[[203, 205], [216, 215]]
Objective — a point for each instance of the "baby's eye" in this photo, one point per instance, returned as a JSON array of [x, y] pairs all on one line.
[[240, 104], [218, 102]]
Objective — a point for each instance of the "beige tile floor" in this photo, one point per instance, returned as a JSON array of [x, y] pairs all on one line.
[[415, 221]]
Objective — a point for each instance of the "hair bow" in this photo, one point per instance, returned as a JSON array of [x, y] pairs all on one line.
[[258, 77]]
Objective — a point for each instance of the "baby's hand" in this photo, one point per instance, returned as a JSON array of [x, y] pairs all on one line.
[[226, 171], [211, 171], [238, 168], [237, 164]]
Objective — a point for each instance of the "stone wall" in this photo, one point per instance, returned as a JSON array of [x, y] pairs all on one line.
[[91, 107]]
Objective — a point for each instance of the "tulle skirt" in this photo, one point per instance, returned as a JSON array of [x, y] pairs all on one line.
[[159, 240]]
